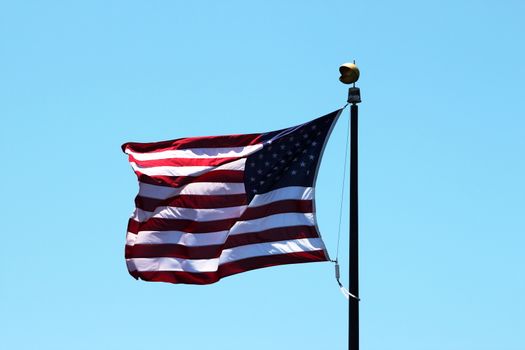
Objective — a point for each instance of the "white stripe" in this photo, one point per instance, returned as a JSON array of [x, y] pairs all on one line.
[[200, 188], [172, 264], [189, 214], [178, 237], [273, 221], [219, 152], [165, 170], [131, 238], [196, 188], [270, 248], [291, 192], [227, 256]]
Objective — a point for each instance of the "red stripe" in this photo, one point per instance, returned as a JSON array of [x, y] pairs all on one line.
[[214, 251], [271, 235], [278, 207], [236, 176], [182, 161], [176, 277], [194, 142], [270, 260], [230, 268], [172, 251], [133, 226], [190, 226], [192, 201]]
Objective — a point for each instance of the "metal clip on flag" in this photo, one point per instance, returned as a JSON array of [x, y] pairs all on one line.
[[345, 291]]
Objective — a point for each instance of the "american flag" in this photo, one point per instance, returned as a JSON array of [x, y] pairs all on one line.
[[211, 207]]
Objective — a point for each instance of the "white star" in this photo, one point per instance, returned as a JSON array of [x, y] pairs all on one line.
[[291, 138], [282, 161], [260, 156], [318, 133], [305, 136], [269, 148], [295, 159], [252, 179], [311, 157], [308, 172], [254, 190], [303, 164], [261, 182], [314, 127], [269, 175], [314, 143], [294, 172], [297, 144], [283, 146], [252, 164], [304, 151], [274, 155], [267, 163], [259, 171], [289, 153]]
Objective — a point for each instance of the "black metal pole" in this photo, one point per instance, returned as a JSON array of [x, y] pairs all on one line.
[[353, 269], [349, 75]]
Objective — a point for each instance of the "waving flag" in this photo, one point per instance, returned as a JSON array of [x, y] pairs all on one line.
[[211, 207]]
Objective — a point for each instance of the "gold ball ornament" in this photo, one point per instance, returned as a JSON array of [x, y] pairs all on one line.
[[349, 73]]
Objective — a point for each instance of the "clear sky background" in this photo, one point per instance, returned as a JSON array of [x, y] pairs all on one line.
[[442, 168]]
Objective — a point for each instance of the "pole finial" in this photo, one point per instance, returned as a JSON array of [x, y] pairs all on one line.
[[349, 73]]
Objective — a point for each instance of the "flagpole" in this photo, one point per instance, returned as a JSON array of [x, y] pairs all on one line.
[[349, 75]]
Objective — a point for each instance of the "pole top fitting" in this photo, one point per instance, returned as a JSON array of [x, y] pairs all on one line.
[[349, 73], [354, 95]]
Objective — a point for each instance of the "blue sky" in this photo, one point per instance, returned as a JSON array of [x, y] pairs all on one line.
[[442, 199]]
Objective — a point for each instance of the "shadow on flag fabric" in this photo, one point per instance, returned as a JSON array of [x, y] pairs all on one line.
[[211, 207]]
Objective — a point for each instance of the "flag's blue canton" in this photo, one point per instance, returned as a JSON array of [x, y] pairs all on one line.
[[289, 160]]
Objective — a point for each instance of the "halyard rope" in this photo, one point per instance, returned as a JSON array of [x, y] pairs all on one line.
[[345, 291]]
